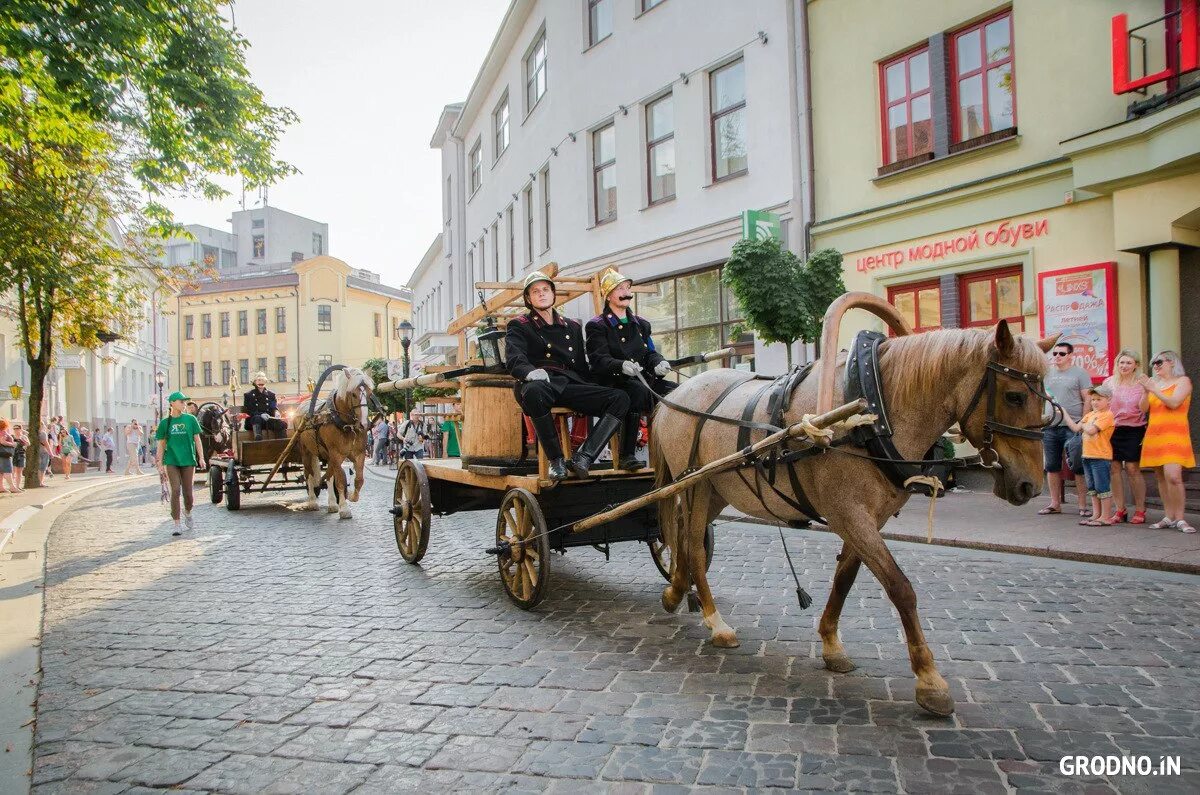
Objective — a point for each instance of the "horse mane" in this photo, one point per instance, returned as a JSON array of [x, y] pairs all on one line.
[[352, 378], [931, 363]]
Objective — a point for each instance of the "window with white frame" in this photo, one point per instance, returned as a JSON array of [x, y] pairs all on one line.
[[649, 4], [600, 24], [476, 166], [496, 251], [545, 175], [660, 149], [527, 202], [535, 73], [604, 173], [728, 120], [512, 241], [500, 127]]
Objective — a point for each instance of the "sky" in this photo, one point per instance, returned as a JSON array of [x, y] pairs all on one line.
[[368, 79]]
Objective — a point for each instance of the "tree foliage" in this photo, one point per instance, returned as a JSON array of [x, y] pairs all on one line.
[[820, 285]]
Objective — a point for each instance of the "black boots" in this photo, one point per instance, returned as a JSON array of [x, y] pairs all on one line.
[[547, 436], [581, 462], [629, 434]]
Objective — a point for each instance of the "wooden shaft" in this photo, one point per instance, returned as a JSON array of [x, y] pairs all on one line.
[[720, 465], [409, 383]]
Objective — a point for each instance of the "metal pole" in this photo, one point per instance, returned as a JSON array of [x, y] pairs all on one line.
[[404, 343]]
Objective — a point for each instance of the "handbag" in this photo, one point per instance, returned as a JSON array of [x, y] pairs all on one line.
[[7, 451], [1074, 450]]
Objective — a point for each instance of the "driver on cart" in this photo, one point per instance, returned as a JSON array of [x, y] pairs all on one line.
[[259, 406], [545, 353], [619, 348]]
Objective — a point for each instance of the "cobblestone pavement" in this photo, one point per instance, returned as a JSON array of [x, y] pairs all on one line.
[[286, 652]]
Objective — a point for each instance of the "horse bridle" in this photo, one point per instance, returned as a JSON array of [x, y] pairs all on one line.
[[992, 427]]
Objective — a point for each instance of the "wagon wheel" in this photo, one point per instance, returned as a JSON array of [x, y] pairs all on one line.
[[525, 567], [215, 487], [233, 489], [665, 561], [411, 512]]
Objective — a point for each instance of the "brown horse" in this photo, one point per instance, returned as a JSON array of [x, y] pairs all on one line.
[[337, 433], [930, 381]]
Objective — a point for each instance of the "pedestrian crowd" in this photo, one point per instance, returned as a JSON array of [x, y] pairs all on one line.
[[1108, 433], [389, 442]]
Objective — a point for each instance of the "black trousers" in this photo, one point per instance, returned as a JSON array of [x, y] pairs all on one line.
[[640, 399], [538, 397], [108, 460], [256, 423]]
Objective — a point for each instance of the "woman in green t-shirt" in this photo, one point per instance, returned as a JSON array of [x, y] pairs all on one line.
[[179, 453]]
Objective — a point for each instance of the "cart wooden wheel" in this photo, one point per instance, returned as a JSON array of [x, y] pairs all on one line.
[[233, 489], [410, 515], [665, 561], [525, 567], [214, 484]]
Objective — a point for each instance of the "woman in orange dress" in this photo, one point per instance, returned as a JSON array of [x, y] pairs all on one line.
[[1168, 443]]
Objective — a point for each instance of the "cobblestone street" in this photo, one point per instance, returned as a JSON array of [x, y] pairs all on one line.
[[272, 651]]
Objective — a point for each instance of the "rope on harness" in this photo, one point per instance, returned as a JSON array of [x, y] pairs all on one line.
[[934, 485], [801, 595]]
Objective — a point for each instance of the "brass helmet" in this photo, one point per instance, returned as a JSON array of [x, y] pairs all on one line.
[[611, 280], [532, 279]]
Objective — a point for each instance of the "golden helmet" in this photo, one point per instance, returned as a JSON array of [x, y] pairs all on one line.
[[611, 280]]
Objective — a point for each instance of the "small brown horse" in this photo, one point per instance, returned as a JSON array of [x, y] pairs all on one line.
[[338, 433], [930, 381]]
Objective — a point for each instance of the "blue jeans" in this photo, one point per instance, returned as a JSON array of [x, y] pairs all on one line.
[[1054, 440], [1099, 477]]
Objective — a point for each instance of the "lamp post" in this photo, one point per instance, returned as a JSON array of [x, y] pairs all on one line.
[[406, 329], [160, 378]]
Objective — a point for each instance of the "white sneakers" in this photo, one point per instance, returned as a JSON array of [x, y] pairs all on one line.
[[188, 521]]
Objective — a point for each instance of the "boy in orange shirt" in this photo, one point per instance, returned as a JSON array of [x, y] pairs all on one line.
[[1097, 429]]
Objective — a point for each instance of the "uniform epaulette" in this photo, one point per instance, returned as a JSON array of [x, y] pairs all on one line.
[[597, 319], [522, 318]]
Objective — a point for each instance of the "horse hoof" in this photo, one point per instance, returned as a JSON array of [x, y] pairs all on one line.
[[671, 599], [936, 702], [345, 515], [725, 640], [332, 509], [839, 663], [309, 506], [354, 497]]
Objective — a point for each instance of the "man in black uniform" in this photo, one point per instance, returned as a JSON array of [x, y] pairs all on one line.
[[619, 347], [545, 353], [259, 403]]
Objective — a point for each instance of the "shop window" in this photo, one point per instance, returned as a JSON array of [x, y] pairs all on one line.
[[695, 313], [982, 84], [992, 296], [907, 110], [920, 304]]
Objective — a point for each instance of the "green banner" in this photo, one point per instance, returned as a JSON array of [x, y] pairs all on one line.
[[760, 225]]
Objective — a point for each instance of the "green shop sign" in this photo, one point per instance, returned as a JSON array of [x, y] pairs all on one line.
[[760, 225]]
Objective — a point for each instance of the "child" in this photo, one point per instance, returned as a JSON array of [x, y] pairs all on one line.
[[1097, 429]]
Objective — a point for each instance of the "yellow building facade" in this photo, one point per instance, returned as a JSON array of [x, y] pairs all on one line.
[[977, 161], [290, 325]]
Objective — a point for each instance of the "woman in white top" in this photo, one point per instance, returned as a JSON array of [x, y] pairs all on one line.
[[133, 442]]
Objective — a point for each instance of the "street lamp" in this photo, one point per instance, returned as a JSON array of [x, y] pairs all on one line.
[[405, 329], [160, 378], [15, 390]]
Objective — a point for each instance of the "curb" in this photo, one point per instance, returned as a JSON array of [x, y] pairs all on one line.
[[27, 512], [1012, 549]]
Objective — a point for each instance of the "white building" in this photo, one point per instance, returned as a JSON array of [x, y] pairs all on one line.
[[629, 133], [269, 235], [431, 310], [206, 246]]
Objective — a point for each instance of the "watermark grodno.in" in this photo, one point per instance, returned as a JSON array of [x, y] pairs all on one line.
[[1119, 766]]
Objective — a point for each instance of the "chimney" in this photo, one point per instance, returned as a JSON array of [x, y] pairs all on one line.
[[297, 256]]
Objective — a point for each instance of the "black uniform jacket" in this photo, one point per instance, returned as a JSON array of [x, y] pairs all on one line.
[[258, 401], [531, 343], [611, 342]]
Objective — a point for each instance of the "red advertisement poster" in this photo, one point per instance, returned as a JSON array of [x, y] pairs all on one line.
[[1081, 305]]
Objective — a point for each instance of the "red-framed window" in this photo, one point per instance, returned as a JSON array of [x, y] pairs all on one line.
[[920, 303], [906, 105], [983, 84], [991, 296]]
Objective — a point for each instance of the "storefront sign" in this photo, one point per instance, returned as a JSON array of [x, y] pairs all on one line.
[[70, 361], [1007, 233], [395, 369], [1182, 47], [1081, 305], [760, 225]]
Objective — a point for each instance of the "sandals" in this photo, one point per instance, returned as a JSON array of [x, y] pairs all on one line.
[[1139, 517], [1162, 524], [1097, 523], [1049, 509], [1184, 527], [1120, 516]]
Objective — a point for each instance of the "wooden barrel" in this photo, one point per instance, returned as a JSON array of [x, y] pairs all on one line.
[[492, 427]]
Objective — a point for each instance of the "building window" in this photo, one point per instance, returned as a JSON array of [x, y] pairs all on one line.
[[546, 209], [378, 324], [318, 246], [989, 297], [512, 241], [694, 313], [324, 362], [257, 223], [260, 365], [189, 374], [280, 319], [920, 304], [260, 319], [535, 73], [600, 25], [325, 318], [482, 275], [660, 149], [649, 4], [281, 368], [206, 368], [224, 322], [243, 323], [260, 246], [496, 251], [984, 93], [476, 166], [500, 127], [449, 200], [728, 123], [188, 328], [528, 204], [907, 110], [244, 371], [604, 173], [206, 326], [226, 371]]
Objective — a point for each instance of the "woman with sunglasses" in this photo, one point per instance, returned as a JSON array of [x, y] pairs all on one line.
[[1168, 443], [1128, 432]]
